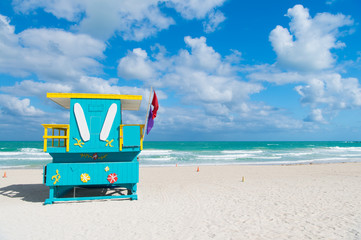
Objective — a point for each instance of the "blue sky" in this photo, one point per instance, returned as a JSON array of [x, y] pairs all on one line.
[[223, 70]]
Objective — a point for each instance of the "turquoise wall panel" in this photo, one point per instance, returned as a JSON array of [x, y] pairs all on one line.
[[63, 174], [95, 111], [131, 136]]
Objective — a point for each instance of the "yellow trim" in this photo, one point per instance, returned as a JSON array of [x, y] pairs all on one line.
[[128, 102], [56, 125], [121, 138], [56, 137], [122, 125], [61, 128], [52, 139], [45, 139], [93, 96], [141, 136]]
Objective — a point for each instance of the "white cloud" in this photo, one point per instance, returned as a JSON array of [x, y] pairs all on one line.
[[199, 75], [214, 19], [306, 45], [274, 75], [14, 106], [316, 116], [69, 10], [330, 90], [85, 84], [191, 9], [215, 123], [16, 110], [325, 90], [33, 88], [51, 54], [305, 57], [101, 19], [202, 56], [61, 61], [132, 20], [136, 65], [60, 42], [210, 83]]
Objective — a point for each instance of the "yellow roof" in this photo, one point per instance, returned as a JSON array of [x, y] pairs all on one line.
[[128, 102]]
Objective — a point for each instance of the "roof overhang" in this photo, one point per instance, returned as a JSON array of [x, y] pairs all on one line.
[[128, 102]]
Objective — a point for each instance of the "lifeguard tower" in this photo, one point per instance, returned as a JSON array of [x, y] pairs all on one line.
[[95, 150]]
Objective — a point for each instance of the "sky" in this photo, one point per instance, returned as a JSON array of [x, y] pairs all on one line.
[[223, 70]]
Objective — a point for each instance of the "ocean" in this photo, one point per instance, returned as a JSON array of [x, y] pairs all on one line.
[[31, 155]]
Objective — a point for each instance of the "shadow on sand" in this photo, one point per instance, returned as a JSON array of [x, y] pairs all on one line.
[[40, 192], [26, 192]]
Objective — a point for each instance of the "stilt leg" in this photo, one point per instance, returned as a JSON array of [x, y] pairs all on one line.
[[134, 192], [51, 196]]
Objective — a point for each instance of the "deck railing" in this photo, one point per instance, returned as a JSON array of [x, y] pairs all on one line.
[[63, 133]]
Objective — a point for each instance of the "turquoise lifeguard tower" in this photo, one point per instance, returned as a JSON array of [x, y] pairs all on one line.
[[95, 150]]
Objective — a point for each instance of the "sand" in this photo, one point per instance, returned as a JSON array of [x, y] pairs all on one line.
[[274, 202]]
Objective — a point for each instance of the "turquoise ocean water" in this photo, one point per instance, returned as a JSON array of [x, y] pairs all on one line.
[[30, 154]]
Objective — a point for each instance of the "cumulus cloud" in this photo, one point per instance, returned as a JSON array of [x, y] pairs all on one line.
[[18, 107], [326, 91], [131, 20], [202, 56], [305, 60], [51, 54], [209, 83], [136, 65], [60, 61], [200, 74], [331, 90], [213, 94], [307, 44]]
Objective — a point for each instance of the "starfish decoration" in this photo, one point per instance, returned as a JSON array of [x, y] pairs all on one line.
[[56, 177], [79, 142], [109, 143]]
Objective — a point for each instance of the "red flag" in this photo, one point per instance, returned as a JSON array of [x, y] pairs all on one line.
[[155, 105]]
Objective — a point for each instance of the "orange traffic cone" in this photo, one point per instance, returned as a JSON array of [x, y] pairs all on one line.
[[4, 175], [197, 169]]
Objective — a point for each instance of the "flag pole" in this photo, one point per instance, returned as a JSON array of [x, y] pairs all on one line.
[[146, 116]]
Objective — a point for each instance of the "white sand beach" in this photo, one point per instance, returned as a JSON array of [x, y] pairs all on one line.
[[274, 202]]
